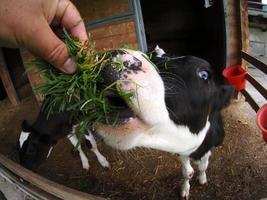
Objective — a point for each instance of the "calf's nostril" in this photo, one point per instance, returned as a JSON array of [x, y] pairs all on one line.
[[110, 74], [126, 63]]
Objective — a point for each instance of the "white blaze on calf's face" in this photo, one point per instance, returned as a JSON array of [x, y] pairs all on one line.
[[147, 87], [148, 101], [23, 137], [153, 128]]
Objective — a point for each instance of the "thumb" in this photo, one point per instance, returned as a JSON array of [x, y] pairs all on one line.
[[49, 47]]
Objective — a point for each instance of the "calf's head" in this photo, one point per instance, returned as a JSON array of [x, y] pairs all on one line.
[[172, 98], [33, 147]]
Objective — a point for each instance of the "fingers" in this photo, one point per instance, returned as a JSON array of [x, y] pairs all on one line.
[[68, 16], [36, 34], [47, 45], [53, 49]]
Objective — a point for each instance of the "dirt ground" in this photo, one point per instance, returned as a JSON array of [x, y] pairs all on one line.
[[237, 170]]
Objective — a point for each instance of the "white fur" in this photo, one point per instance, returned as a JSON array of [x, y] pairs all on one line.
[[148, 89], [166, 137], [153, 128], [49, 152], [23, 137], [188, 173], [159, 51], [202, 167], [74, 141], [101, 159], [85, 163], [207, 3]]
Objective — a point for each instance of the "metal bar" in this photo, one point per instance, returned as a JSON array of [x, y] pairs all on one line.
[[257, 85], [257, 3], [254, 61], [260, 11], [250, 100], [109, 20], [139, 24], [24, 188]]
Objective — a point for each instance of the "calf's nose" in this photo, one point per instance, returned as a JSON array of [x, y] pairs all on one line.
[[110, 74]]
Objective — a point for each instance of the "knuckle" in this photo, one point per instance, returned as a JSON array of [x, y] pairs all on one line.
[[54, 55]]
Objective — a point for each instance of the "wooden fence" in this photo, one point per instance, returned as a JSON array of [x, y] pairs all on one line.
[[261, 66], [36, 186]]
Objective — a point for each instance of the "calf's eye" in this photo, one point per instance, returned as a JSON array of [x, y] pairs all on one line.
[[204, 74]]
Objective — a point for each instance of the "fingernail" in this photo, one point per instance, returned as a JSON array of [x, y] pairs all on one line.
[[69, 66]]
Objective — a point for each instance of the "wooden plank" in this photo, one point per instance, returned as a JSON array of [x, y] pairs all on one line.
[[255, 62], [34, 76], [257, 85], [233, 31], [7, 82], [46, 185], [115, 35], [24, 187], [92, 10], [250, 100], [244, 29], [8, 85]]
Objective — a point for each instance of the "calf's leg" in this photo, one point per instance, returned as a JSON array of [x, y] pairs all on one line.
[[101, 159], [202, 167], [74, 141], [188, 173]]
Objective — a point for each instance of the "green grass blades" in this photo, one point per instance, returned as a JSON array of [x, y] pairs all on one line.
[[83, 93]]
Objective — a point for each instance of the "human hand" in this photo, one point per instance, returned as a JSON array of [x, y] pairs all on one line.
[[26, 23]]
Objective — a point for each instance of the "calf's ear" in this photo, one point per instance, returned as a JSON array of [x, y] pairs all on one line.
[[25, 126]]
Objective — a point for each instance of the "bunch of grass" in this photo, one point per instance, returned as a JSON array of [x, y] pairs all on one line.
[[83, 93]]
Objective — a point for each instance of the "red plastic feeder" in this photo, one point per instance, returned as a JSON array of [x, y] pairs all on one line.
[[261, 120], [236, 76]]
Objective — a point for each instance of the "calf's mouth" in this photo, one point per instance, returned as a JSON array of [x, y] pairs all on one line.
[[121, 97], [124, 112]]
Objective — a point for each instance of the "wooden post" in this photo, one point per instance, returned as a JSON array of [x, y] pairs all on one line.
[[7, 82], [244, 28], [233, 31], [33, 74]]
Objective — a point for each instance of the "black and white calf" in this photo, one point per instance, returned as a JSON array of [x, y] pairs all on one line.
[[176, 108], [37, 141]]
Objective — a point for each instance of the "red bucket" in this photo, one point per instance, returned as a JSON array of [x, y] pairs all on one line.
[[261, 120], [236, 76]]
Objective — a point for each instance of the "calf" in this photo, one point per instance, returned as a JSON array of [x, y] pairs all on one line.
[[37, 141], [176, 108]]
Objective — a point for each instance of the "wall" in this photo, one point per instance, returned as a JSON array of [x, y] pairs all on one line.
[[115, 35], [92, 10], [187, 27], [258, 42], [110, 34]]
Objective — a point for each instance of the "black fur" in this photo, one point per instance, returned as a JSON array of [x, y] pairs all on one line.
[[44, 133], [192, 98]]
